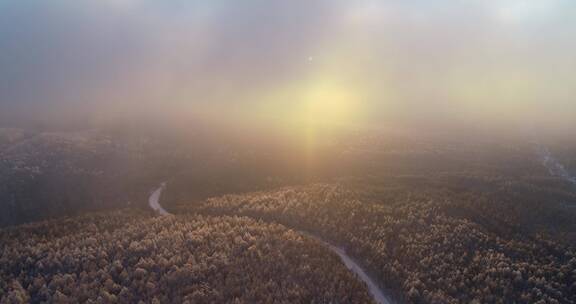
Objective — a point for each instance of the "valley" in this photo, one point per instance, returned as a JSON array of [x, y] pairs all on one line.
[[397, 220]]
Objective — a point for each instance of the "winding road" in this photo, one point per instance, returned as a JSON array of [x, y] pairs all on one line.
[[377, 293], [154, 200]]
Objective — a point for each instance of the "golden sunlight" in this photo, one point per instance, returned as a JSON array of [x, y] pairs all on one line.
[[317, 102], [327, 103]]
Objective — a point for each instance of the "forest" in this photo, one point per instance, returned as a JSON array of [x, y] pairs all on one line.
[[130, 256], [279, 152], [429, 221], [416, 245]]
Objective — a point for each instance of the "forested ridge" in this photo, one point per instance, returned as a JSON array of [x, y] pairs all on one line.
[[130, 257], [430, 222], [415, 246], [421, 246]]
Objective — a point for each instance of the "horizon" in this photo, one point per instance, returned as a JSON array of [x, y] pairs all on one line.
[[485, 65]]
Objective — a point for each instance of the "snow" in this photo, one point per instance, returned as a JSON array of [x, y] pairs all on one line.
[[376, 292], [154, 200]]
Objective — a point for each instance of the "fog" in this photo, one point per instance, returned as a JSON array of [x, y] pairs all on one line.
[[478, 64]]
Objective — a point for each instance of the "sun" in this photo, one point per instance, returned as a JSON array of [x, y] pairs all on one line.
[[327, 103], [318, 102]]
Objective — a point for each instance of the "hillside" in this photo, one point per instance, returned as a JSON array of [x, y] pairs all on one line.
[[128, 256], [419, 246]]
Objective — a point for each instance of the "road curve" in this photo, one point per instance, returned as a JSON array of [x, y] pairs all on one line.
[[154, 200], [377, 293]]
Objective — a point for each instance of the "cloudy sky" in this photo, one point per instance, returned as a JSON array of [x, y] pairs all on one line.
[[285, 63]]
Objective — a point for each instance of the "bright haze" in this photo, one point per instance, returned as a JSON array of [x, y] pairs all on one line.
[[488, 64]]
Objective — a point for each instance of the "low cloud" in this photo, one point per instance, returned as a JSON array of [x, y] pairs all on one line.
[[413, 62]]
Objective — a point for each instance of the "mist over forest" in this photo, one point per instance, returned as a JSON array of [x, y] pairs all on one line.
[[304, 151]]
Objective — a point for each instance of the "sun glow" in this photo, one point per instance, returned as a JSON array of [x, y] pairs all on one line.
[[321, 109], [327, 104], [324, 100], [314, 109]]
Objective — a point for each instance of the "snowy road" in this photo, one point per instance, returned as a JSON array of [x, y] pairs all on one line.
[[154, 200], [376, 292]]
